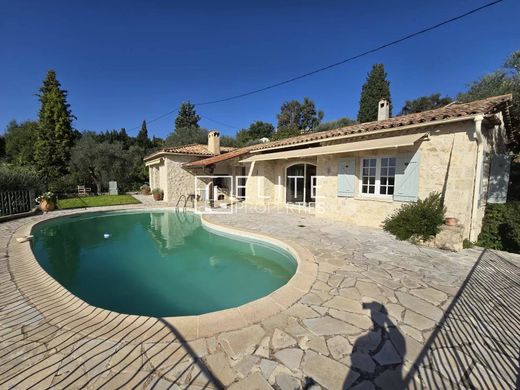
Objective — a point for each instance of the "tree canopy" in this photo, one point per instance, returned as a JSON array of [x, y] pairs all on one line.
[[341, 122], [425, 103], [256, 131], [376, 87], [187, 116], [55, 135], [296, 117], [98, 162], [187, 135], [20, 139], [142, 139], [502, 81]]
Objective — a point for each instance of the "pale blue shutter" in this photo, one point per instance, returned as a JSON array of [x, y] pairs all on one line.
[[346, 176], [407, 178], [499, 178]]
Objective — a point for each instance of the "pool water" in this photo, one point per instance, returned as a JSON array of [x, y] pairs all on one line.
[[157, 263]]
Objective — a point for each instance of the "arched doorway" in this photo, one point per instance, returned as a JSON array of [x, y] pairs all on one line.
[[300, 184]]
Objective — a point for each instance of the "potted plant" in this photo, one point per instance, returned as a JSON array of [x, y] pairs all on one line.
[[47, 201], [145, 189], [157, 194]]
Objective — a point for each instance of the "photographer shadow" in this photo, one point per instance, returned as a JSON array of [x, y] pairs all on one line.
[[377, 356]]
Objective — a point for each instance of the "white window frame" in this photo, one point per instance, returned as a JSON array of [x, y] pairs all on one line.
[[377, 188]]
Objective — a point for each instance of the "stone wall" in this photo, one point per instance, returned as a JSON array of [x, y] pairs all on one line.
[[452, 146], [179, 181]]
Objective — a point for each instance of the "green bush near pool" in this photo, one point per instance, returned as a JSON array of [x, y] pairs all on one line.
[[96, 201]]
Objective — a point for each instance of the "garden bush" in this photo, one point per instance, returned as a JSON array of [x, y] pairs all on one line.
[[501, 227], [19, 178], [417, 221]]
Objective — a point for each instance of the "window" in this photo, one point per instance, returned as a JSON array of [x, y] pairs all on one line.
[[378, 176]]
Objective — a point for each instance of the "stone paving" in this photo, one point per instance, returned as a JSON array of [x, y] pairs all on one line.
[[381, 314]]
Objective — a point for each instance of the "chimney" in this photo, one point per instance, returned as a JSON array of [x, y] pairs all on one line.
[[383, 110], [214, 142]]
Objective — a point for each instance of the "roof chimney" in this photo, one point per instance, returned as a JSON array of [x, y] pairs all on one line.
[[383, 110], [214, 142]]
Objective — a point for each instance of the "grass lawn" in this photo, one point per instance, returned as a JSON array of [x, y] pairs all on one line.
[[96, 201]]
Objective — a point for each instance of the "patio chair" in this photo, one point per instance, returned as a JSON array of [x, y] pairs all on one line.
[[83, 191]]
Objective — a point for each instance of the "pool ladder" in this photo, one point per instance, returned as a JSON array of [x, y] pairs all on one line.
[[186, 200]]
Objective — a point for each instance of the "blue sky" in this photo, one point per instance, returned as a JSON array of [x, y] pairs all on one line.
[[125, 61]]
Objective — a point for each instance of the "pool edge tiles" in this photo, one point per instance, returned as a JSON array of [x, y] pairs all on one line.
[[34, 283]]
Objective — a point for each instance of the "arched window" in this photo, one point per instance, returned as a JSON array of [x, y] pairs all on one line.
[[300, 184]]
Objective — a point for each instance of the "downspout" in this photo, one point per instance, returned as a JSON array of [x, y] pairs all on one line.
[[478, 173]]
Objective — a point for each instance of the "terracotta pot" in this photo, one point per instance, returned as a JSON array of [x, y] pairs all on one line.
[[158, 196], [47, 206], [451, 221]]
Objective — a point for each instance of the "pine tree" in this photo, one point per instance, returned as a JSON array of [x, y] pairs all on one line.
[[55, 135], [187, 117], [142, 137], [376, 87]]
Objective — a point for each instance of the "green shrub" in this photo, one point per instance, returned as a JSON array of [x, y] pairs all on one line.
[[501, 227], [420, 220], [67, 184], [14, 177]]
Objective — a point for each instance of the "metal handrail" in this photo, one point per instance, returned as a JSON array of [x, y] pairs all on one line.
[[179, 201]]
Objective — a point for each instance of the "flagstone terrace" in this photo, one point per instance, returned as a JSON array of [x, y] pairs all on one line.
[[380, 314]]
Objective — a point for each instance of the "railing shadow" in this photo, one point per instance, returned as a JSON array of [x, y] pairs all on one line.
[[477, 342], [116, 354]]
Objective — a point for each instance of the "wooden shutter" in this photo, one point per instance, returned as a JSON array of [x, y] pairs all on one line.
[[346, 176], [407, 177], [499, 178]]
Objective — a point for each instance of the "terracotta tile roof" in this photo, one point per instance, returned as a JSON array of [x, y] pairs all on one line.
[[221, 157], [192, 149], [451, 111]]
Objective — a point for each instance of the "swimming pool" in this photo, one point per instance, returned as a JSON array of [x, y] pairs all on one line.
[[157, 263]]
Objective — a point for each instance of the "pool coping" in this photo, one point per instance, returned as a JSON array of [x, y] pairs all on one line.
[[34, 283]]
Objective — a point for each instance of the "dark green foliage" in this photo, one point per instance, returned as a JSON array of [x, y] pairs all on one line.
[[55, 135], [226, 140], [424, 103], [501, 227], [20, 139], [420, 220], [296, 117], [14, 177], [467, 244], [502, 81], [98, 163], [66, 184], [187, 116], [286, 132], [2, 147], [254, 133], [142, 139], [376, 87], [341, 122], [187, 135]]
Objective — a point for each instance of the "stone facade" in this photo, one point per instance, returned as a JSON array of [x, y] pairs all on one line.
[[448, 161]]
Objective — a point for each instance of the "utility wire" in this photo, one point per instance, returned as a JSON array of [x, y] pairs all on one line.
[[217, 122], [327, 67]]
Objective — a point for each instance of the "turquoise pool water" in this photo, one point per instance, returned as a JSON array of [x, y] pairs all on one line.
[[157, 263]]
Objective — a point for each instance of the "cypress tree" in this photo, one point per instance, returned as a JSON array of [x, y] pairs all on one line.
[[187, 117], [142, 137], [55, 135], [375, 88]]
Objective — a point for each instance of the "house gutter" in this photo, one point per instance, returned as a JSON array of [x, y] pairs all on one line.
[[478, 172], [383, 131]]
